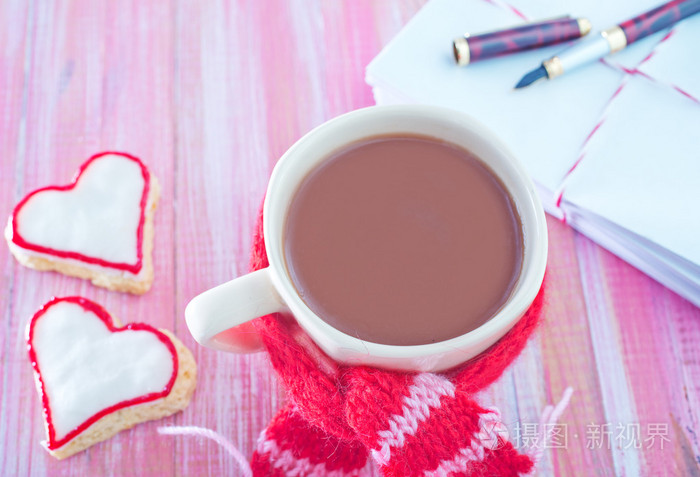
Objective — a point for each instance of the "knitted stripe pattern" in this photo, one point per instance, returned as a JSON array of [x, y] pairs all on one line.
[[409, 424]]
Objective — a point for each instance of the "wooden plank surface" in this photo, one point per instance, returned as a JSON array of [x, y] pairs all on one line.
[[210, 94]]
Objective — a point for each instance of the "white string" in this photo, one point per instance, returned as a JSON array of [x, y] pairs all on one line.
[[550, 416], [216, 437]]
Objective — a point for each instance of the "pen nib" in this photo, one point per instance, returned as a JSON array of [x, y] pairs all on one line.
[[531, 77]]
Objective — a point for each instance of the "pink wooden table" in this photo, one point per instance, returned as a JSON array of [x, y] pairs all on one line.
[[210, 94]]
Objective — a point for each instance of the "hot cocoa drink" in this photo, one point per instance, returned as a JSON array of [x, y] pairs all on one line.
[[403, 240]]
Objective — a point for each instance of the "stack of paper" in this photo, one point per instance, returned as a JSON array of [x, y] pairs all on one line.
[[615, 154]]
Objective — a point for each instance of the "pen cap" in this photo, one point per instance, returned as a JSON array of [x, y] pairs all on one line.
[[468, 49]]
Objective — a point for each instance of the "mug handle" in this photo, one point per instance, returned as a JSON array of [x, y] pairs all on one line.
[[220, 317]]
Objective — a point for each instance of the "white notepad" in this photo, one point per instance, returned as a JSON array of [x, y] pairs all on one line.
[[636, 188]]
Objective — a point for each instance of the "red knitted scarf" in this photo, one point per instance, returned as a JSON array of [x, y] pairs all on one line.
[[410, 424]]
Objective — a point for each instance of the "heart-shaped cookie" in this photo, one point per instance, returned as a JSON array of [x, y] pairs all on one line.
[[100, 226], [96, 378]]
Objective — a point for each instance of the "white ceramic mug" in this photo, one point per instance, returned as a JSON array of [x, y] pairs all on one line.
[[215, 317]]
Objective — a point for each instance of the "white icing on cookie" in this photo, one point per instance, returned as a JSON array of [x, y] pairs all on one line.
[[86, 368], [99, 217], [111, 271]]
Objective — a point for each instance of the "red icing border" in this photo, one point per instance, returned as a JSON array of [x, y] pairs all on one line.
[[18, 240], [102, 314]]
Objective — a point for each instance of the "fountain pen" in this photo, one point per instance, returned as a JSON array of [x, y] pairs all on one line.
[[612, 40]]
